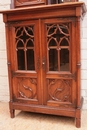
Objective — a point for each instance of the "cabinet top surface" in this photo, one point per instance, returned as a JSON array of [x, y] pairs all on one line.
[[46, 7], [69, 9]]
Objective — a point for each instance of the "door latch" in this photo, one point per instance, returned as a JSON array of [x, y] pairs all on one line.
[[44, 63]]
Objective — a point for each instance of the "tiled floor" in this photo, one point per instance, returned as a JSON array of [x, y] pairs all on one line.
[[32, 121]]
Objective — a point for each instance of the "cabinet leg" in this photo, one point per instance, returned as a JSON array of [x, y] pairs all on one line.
[[78, 122], [12, 113], [78, 117]]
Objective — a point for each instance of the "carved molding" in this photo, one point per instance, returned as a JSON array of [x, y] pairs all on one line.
[[19, 1], [27, 1]]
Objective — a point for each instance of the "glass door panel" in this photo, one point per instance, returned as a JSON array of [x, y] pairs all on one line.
[[30, 56], [64, 60], [20, 59], [53, 60], [25, 47], [58, 39]]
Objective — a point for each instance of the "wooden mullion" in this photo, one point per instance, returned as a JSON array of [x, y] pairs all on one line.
[[58, 49], [25, 56], [48, 60]]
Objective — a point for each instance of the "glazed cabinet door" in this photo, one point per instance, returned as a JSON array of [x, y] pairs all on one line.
[[59, 62], [25, 58]]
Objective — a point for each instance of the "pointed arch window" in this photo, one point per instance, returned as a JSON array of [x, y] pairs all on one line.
[[58, 39], [25, 47]]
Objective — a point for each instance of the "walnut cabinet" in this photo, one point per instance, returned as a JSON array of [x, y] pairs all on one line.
[[43, 57]]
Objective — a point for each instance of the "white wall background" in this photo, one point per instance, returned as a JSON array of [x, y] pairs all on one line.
[[84, 59], [4, 87]]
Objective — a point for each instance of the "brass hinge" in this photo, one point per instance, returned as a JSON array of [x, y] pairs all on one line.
[[8, 63], [78, 65]]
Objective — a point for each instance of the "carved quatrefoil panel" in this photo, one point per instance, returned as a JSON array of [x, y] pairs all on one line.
[[27, 88], [59, 90]]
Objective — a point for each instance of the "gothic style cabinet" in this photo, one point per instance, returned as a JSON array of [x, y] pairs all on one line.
[[43, 57]]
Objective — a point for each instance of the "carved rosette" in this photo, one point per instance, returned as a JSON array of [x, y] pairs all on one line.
[[59, 90]]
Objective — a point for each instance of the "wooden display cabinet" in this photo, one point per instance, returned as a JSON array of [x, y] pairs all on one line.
[[43, 57]]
